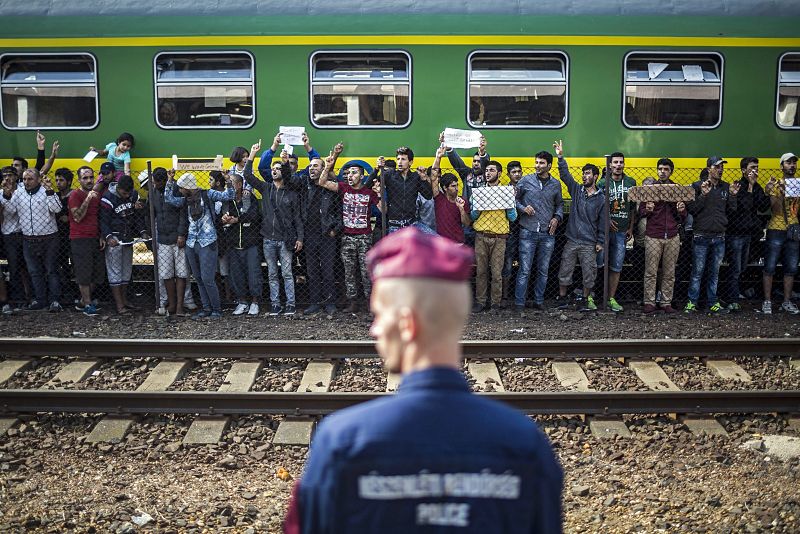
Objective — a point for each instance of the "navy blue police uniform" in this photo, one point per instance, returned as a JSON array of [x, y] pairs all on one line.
[[432, 458]]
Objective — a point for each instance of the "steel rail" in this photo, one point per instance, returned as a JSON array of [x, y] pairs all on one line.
[[264, 349], [565, 403]]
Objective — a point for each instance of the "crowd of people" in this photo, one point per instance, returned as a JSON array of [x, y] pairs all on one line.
[[318, 223]]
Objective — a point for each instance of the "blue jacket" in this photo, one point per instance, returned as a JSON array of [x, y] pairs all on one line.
[[544, 197], [430, 457], [587, 214]]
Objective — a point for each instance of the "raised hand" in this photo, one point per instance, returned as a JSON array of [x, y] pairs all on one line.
[[705, 187], [257, 146], [381, 163], [482, 146], [339, 148], [681, 206], [558, 146], [734, 189], [329, 159], [55, 148], [40, 139]]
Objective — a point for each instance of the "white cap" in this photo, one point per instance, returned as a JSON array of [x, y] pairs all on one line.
[[787, 156], [188, 181]]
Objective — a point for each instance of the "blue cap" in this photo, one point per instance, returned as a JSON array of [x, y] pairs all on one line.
[[354, 163]]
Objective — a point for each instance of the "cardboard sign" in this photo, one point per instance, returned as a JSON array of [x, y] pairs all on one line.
[[292, 135], [499, 197], [462, 138], [793, 187], [661, 192], [197, 164]]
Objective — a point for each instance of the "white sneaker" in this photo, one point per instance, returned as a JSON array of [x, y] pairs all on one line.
[[7, 309], [240, 308], [162, 311], [766, 307], [789, 307], [253, 311]]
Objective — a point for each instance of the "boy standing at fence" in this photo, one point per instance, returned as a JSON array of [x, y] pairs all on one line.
[[491, 231]]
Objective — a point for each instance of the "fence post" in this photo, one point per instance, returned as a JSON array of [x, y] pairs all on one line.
[[153, 227], [383, 203], [606, 239]]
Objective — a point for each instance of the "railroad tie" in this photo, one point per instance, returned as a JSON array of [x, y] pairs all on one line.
[[298, 430], [486, 375], [656, 379], [73, 372], [728, 370], [209, 429], [393, 381], [113, 428], [7, 369]]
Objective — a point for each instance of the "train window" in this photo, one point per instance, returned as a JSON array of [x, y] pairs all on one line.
[[786, 113], [360, 89], [517, 89], [204, 90], [675, 90], [48, 91]]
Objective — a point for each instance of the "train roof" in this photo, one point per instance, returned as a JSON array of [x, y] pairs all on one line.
[[160, 8]]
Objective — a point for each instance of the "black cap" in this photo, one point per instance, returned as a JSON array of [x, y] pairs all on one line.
[[714, 160], [107, 167]]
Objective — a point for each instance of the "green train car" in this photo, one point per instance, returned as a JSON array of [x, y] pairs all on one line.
[[681, 79]]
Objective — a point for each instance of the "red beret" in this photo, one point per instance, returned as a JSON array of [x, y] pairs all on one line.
[[410, 253]]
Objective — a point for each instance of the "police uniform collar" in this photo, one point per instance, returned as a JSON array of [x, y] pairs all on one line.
[[434, 378]]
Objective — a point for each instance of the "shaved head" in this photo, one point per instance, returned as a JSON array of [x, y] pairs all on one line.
[[419, 322]]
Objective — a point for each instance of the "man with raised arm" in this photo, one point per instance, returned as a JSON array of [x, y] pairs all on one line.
[[585, 229], [357, 203], [434, 457]]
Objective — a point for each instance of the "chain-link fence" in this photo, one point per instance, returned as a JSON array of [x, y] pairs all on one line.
[[288, 241]]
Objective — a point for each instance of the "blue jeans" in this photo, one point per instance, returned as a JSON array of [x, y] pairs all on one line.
[[320, 262], [272, 251], [41, 256], [706, 252], [776, 242], [529, 242], [616, 244], [203, 263], [738, 249], [245, 272]]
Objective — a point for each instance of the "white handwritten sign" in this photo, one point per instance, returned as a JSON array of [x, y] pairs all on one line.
[[197, 164], [292, 135], [793, 187], [499, 197], [289, 149], [462, 138]]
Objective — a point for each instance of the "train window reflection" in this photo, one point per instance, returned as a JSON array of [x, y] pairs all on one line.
[[517, 89], [672, 90], [204, 90], [360, 89], [786, 114], [53, 91]]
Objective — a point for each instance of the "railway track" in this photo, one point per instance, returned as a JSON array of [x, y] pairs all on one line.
[[313, 398]]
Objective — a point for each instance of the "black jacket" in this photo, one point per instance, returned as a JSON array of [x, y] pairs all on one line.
[[171, 222], [745, 219], [120, 218], [281, 218], [322, 211], [711, 212], [245, 233], [401, 193]]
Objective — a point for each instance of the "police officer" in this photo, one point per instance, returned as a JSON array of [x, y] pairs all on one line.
[[433, 457]]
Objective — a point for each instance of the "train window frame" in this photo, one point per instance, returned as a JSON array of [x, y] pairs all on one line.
[[95, 84], [674, 55], [533, 53], [795, 55], [332, 53], [206, 83]]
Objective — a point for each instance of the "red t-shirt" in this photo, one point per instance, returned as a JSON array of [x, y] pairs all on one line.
[[448, 218], [88, 225], [356, 204]]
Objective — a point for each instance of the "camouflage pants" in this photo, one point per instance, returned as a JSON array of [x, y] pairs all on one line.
[[354, 258]]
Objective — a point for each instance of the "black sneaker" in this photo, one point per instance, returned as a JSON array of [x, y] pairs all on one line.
[[290, 309], [561, 302], [537, 306], [478, 308], [275, 310]]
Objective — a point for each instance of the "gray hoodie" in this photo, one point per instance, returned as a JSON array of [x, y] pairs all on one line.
[[587, 216]]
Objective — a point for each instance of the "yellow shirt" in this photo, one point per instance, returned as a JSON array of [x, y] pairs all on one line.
[[790, 205], [492, 222]]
